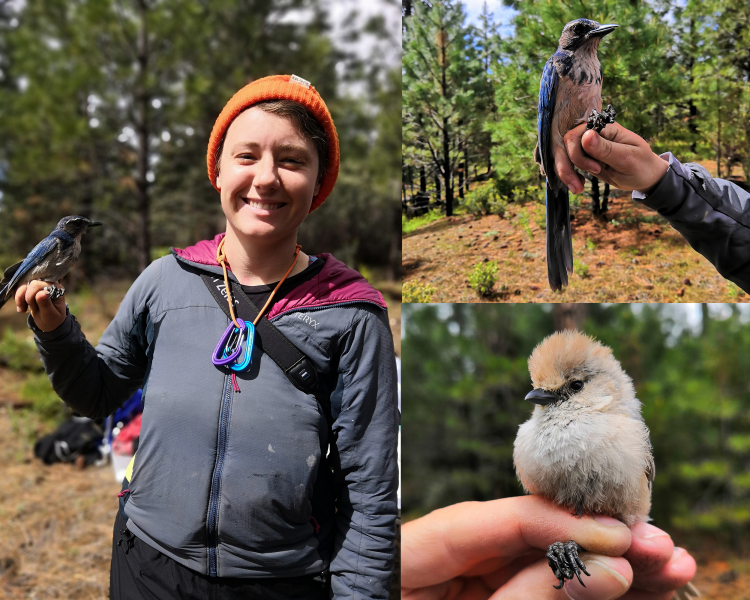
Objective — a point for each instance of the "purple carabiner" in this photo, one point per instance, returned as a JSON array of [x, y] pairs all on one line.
[[218, 357]]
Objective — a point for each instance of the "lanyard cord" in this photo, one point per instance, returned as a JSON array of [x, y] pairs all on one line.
[[221, 259]]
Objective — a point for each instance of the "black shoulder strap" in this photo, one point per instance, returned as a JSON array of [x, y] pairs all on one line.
[[296, 366]]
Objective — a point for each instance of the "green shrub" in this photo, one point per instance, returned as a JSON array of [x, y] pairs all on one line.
[[44, 401], [18, 352], [482, 279], [523, 219], [412, 224], [417, 293], [485, 201], [581, 268]]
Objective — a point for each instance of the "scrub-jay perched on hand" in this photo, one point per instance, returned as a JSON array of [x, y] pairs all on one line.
[[50, 260], [570, 89]]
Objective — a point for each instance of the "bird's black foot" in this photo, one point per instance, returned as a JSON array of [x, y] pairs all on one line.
[[54, 291], [599, 120], [564, 562]]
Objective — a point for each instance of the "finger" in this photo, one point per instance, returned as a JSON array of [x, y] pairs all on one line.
[[575, 151], [455, 589], [610, 578], [32, 290], [564, 170], [451, 541], [677, 572], [622, 157], [43, 302], [21, 304], [650, 550], [643, 595]]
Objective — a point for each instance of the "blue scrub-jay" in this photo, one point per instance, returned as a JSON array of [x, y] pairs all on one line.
[[570, 89], [50, 260]]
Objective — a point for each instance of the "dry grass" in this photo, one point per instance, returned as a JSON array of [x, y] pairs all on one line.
[[56, 521]]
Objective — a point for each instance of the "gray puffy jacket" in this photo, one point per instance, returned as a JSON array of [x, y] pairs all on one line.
[[710, 213], [236, 484]]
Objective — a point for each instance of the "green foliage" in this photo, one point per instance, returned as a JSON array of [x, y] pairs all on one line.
[[18, 352], [412, 224], [483, 277], [485, 200], [522, 217], [44, 401], [580, 268], [416, 292], [590, 245], [465, 376], [75, 98]]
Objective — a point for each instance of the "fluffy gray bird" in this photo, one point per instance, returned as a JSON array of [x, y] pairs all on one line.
[[570, 93], [50, 260], [586, 446]]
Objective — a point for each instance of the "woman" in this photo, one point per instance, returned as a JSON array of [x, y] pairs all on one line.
[[233, 492]]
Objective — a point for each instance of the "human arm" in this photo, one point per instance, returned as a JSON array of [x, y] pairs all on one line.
[[365, 435], [711, 214], [95, 382], [481, 550]]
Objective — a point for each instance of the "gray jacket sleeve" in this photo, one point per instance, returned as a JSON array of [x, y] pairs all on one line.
[[366, 434], [711, 214], [95, 382]]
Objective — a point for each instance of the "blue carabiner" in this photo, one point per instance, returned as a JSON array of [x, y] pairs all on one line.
[[244, 362], [225, 352]]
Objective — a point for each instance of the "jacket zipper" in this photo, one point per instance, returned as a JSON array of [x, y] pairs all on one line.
[[314, 308], [213, 501]]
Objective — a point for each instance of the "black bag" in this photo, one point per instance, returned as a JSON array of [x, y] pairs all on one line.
[[72, 439]]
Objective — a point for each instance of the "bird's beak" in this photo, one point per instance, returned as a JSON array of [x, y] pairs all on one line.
[[94, 223], [541, 397], [602, 30]]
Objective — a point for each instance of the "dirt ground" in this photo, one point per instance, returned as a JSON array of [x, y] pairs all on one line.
[[630, 254]]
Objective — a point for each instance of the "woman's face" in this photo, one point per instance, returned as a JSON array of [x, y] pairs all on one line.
[[268, 176]]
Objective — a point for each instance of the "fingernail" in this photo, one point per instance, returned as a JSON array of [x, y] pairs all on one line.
[[593, 140], [678, 552], [646, 531], [609, 521], [605, 583]]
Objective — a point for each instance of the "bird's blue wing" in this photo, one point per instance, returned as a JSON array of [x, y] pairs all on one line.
[[38, 253], [547, 95]]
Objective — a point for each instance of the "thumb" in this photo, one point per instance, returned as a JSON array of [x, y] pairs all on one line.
[[596, 146], [610, 578]]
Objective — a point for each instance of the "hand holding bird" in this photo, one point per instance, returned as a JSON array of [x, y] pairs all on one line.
[[586, 446], [570, 91], [47, 263]]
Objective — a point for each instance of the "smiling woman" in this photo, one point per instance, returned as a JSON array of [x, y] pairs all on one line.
[[266, 468]]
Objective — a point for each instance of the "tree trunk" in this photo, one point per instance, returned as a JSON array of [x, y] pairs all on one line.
[[437, 187], [605, 198], [461, 180], [595, 207], [569, 315], [422, 179], [143, 242]]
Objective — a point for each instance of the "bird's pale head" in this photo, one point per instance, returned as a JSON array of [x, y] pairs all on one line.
[[76, 225], [583, 34], [571, 371]]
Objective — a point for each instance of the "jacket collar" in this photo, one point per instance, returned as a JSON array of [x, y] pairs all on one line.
[[334, 284]]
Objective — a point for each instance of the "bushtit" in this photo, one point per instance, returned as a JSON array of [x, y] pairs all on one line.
[[586, 446]]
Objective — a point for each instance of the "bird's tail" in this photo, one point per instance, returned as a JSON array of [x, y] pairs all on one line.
[[6, 293], [559, 241]]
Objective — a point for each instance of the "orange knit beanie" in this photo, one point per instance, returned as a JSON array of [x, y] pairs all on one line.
[[279, 87]]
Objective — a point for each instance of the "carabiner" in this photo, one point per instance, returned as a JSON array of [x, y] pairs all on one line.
[[241, 365], [222, 355]]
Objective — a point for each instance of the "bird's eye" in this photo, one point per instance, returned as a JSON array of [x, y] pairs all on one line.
[[576, 386]]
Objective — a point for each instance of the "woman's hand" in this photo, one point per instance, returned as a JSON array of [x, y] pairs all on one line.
[[48, 315], [482, 550], [616, 156]]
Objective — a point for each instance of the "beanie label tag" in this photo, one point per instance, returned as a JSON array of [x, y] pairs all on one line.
[[299, 81]]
